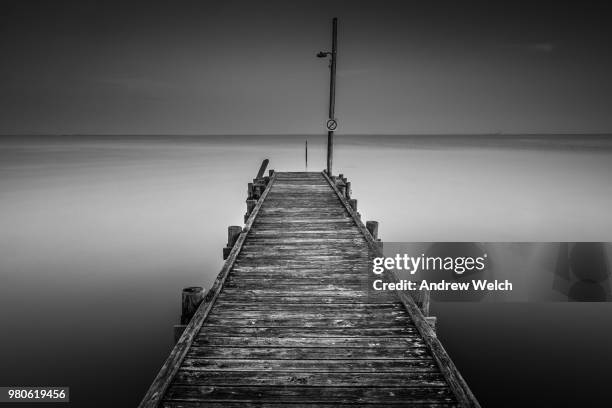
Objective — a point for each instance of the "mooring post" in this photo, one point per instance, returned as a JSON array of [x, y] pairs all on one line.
[[250, 206], [249, 191], [372, 227], [353, 203], [233, 232], [191, 298], [347, 190], [257, 190], [342, 188], [425, 300], [262, 168]]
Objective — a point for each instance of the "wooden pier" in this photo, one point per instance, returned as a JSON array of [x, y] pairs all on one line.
[[292, 321]]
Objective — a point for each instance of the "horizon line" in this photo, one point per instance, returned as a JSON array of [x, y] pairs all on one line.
[[319, 134]]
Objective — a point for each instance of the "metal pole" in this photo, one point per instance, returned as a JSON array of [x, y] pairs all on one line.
[[332, 96], [332, 80]]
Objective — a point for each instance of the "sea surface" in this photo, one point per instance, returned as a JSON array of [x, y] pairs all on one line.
[[99, 234]]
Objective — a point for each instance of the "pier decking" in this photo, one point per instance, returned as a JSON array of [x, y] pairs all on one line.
[[291, 320]]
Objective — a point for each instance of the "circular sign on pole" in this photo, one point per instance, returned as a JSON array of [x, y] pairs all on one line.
[[332, 124]]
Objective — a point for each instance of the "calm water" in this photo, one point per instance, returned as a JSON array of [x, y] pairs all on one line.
[[99, 234]]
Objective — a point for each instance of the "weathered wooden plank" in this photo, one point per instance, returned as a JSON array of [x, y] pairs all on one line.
[[222, 306], [283, 378], [308, 314], [315, 332], [251, 404], [361, 322], [302, 256], [355, 282], [318, 262], [312, 242], [302, 249], [279, 285], [296, 394], [306, 353], [304, 212], [309, 292], [304, 299], [368, 366], [284, 283], [304, 342], [316, 237], [302, 223], [306, 275]]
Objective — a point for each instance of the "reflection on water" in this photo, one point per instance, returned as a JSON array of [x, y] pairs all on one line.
[[99, 234]]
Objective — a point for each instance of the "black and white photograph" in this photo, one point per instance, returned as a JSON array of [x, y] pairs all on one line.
[[305, 204]]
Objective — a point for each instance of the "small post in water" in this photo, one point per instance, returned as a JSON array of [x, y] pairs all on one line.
[[191, 298], [372, 227], [233, 232]]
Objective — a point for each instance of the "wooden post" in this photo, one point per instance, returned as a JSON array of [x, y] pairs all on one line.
[[190, 300], [233, 232], [353, 203], [372, 227], [250, 191], [347, 192], [262, 168], [258, 188], [270, 173], [250, 205], [425, 300], [342, 188]]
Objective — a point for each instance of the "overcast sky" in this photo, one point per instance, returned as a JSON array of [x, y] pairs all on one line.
[[249, 67]]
